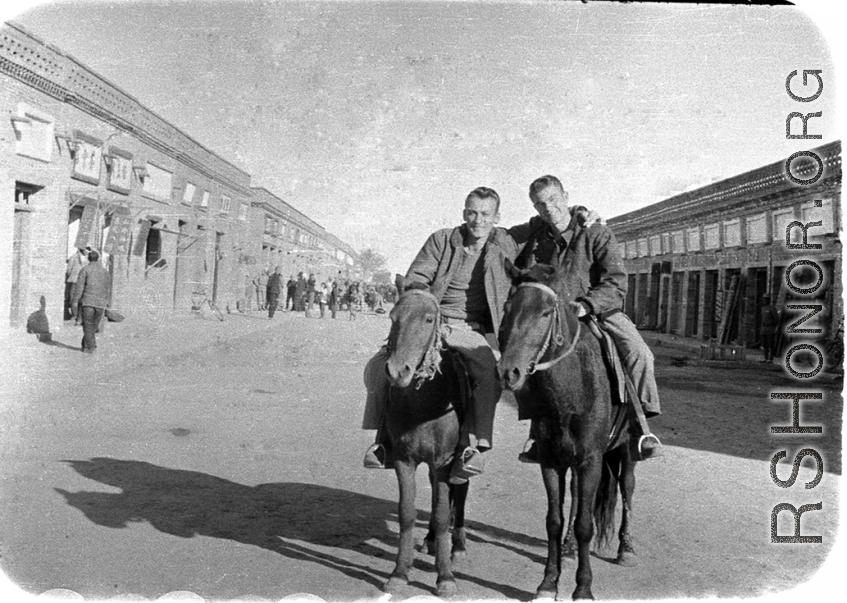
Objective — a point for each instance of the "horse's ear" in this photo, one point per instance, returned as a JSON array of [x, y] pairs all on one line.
[[400, 283], [511, 269]]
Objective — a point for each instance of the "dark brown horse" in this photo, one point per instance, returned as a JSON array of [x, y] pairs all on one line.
[[553, 363], [422, 423]]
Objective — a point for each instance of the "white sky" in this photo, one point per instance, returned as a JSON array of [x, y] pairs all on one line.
[[377, 118]]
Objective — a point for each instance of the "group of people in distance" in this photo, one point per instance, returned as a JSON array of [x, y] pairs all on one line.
[[303, 294], [464, 267]]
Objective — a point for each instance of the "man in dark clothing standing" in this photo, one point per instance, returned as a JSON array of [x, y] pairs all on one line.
[[768, 328], [311, 289], [291, 292], [299, 293], [91, 291], [273, 291]]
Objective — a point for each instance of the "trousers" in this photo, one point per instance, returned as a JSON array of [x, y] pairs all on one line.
[[477, 351], [637, 359]]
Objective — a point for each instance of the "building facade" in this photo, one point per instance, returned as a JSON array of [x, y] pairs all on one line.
[[84, 164], [700, 262]]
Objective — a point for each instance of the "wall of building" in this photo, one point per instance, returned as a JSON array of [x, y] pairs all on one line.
[[83, 163], [714, 252]]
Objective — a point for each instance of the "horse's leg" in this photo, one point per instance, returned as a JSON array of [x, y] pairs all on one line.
[[428, 545], [588, 476], [445, 583], [626, 552], [568, 547], [549, 586], [458, 495], [407, 514]]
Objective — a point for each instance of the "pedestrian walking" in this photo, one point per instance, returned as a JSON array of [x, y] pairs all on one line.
[[75, 263], [334, 299], [91, 292], [323, 298], [311, 285], [291, 292], [768, 328], [274, 288], [261, 282]]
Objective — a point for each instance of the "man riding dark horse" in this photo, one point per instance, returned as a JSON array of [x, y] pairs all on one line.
[[588, 261], [463, 268]]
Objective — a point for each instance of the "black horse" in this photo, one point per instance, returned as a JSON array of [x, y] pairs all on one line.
[[554, 365], [423, 425]]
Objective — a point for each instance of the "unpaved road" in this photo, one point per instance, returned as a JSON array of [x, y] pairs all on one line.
[[225, 459]]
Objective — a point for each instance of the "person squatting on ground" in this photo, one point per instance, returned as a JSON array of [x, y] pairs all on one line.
[[91, 292], [590, 262], [274, 288], [768, 328], [463, 268]]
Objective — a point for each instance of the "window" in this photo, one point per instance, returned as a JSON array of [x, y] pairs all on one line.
[[666, 242], [204, 200], [642, 248], [757, 228], [276, 227], [159, 183], [242, 211], [226, 202], [655, 245], [812, 212], [621, 249], [712, 235], [693, 239], [34, 131], [631, 249], [781, 219], [188, 193], [732, 233], [678, 238], [269, 224]]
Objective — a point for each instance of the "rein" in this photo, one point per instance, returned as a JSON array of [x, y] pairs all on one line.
[[431, 362], [554, 334]]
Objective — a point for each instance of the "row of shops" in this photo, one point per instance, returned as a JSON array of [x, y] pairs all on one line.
[[84, 164], [700, 262]]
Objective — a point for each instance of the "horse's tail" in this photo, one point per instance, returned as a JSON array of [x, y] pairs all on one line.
[[607, 498]]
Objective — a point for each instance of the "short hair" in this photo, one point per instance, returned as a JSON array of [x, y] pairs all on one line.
[[93, 256], [539, 184], [483, 192]]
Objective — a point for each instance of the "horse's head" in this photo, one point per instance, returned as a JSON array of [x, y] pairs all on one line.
[[532, 324], [414, 339]]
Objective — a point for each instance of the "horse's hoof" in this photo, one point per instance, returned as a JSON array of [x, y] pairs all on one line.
[[545, 595], [446, 588], [394, 584], [458, 555], [582, 594], [627, 559]]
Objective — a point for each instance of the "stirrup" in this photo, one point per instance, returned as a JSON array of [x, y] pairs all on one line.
[[469, 464], [530, 452], [653, 450], [376, 457]]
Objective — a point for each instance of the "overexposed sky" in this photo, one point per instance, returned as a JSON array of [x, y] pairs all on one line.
[[377, 118]]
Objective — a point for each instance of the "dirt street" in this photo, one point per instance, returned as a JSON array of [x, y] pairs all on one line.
[[225, 459]]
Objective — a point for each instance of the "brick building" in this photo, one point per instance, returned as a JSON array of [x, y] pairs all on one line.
[[83, 163], [700, 262]]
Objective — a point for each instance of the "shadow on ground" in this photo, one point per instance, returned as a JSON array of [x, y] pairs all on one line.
[[287, 518]]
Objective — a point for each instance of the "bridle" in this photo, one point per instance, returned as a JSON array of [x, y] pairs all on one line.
[[431, 361], [554, 333]]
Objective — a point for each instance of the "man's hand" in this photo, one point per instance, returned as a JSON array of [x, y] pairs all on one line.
[[72, 311], [579, 309], [588, 216]]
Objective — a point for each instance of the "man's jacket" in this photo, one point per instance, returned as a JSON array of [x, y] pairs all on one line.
[[440, 257], [589, 264], [93, 286], [274, 284]]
